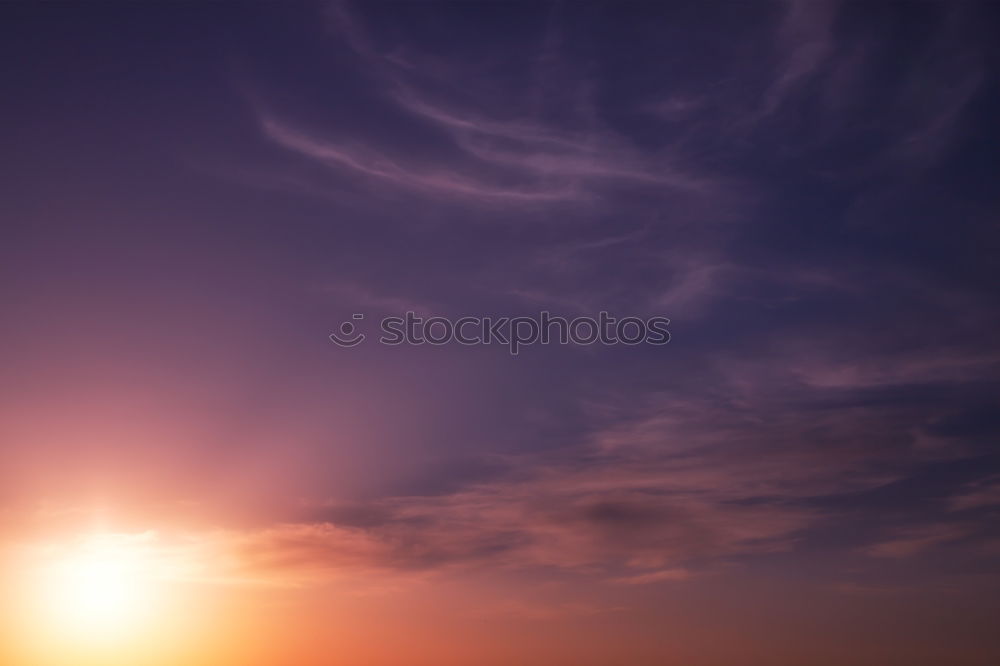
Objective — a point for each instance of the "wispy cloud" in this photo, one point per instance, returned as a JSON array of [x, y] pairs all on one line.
[[805, 37], [594, 155], [419, 178], [496, 159], [910, 542]]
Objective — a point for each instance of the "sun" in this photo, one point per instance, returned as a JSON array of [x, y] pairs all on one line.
[[99, 589], [103, 598]]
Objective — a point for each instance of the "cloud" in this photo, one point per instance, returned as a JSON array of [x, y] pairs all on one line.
[[819, 364], [478, 155], [418, 178], [980, 494], [806, 35], [549, 152], [657, 497], [664, 575], [912, 541], [660, 489]]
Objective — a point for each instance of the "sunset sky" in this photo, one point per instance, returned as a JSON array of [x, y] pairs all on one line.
[[194, 196]]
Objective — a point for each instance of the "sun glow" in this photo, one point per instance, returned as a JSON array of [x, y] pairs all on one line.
[[102, 590], [99, 590], [111, 599]]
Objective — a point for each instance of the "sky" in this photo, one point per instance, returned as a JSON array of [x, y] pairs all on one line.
[[195, 196]]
